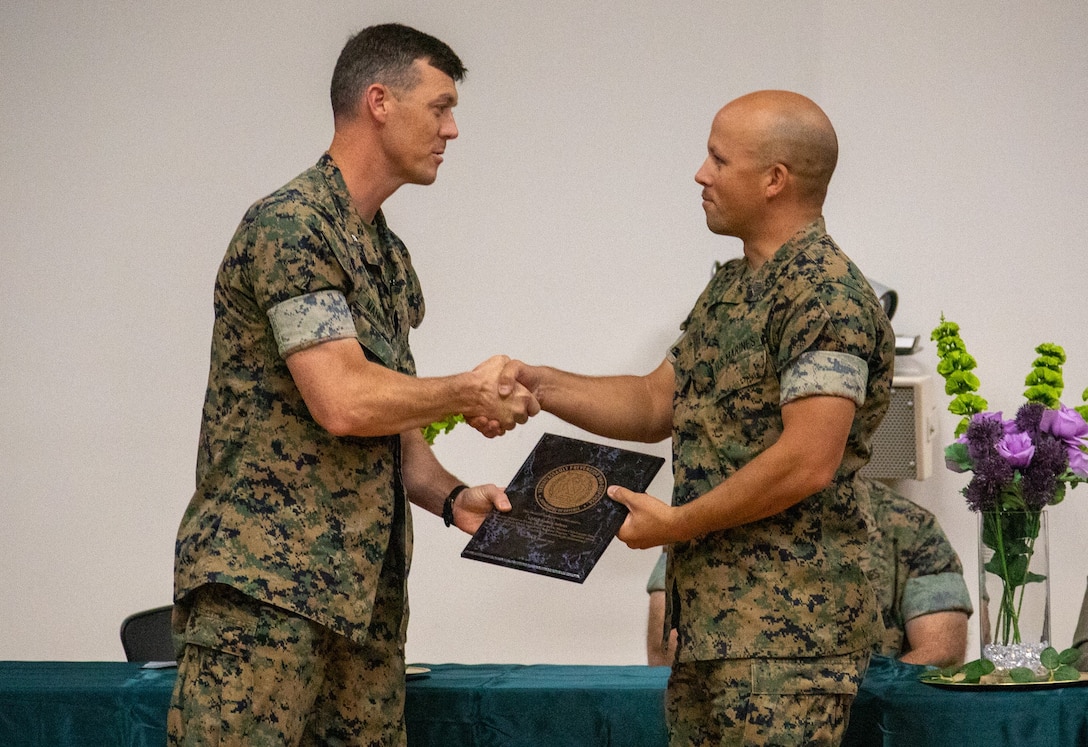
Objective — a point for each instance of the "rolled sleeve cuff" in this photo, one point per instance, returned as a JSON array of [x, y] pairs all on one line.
[[304, 321], [821, 372], [940, 592]]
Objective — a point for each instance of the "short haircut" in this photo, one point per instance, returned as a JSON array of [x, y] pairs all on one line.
[[384, 54]]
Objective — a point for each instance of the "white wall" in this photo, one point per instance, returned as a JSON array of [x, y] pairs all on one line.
[[565, 228]]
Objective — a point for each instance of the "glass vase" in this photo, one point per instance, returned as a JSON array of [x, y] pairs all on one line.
[[1014, 587]]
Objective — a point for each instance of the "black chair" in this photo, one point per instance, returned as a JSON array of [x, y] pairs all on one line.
[[146, 635]]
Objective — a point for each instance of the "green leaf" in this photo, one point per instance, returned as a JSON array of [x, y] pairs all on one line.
[[947, 674], [1049, 658], [1021, 675], [956, 453], [445, 425], [973, 671], [1059, 494], [1069, 656], [1065, 673], [970, 673]]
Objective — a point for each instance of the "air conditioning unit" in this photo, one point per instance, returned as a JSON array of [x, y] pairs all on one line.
[[903, 445]]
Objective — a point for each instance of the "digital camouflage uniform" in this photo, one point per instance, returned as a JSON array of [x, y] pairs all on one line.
[[913, 567], [284, 512], [788, 588]]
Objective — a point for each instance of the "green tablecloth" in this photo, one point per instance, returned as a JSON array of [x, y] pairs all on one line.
[[90, 704], [53, 704], [538, 705], [101, 704], [894, 709]]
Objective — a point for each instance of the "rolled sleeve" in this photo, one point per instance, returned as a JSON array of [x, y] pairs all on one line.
[[820, 372], [939, 592], [306, 320]]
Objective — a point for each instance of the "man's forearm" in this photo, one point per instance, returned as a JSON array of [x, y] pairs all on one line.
[[802, 462], [630, 408], [426, 481], [351, 396]]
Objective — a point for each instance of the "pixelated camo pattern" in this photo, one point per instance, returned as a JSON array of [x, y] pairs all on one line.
[[792, 584], [284, 511], [301, 322], [825, 373], [914, 568]]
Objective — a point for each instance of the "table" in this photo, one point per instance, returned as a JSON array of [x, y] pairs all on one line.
[[118, 703], [893, 708], [538, 705]]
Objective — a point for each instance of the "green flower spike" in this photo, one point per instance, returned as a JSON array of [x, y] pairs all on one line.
[[955, 366], [1045, 382]]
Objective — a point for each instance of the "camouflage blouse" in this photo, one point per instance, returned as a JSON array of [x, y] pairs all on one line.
[[791, 585], [283, 510], [914, 568]]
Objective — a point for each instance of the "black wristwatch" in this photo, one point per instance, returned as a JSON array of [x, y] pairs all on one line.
[[447, 507]]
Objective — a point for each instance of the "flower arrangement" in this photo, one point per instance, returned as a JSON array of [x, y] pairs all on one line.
[[1019, 465]]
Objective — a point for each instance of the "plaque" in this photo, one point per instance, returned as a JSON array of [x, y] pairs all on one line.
[[561, 520]]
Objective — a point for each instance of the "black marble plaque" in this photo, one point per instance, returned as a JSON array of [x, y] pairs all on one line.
[[561, 521]]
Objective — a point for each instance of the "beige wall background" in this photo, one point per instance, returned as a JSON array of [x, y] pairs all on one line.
[[565, 228]]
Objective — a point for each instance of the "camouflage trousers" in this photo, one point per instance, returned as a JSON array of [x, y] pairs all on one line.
[[762, 702], [255, 675]]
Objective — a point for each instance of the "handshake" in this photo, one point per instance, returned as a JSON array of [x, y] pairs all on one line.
[[502, 395]]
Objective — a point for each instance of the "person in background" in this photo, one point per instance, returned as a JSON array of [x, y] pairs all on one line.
[[918, 580], [771, 396], [292, 556]]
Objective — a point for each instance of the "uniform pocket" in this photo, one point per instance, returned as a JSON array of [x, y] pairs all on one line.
[[221, 619], [741, 367], [832, 675]]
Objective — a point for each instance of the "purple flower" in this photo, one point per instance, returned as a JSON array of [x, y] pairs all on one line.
[[1068, 425], [1016, 448], [1065, 423], [1039, 482], [982, 435], [1078, 462], [1008, 426], [992, 474], [1028, 416]]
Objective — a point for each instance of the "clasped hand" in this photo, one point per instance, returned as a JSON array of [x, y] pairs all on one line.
[[501, 406]]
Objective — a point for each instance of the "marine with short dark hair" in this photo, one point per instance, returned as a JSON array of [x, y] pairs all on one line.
[[292, 557]]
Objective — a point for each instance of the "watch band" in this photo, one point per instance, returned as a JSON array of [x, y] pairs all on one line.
[[447, 506]]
